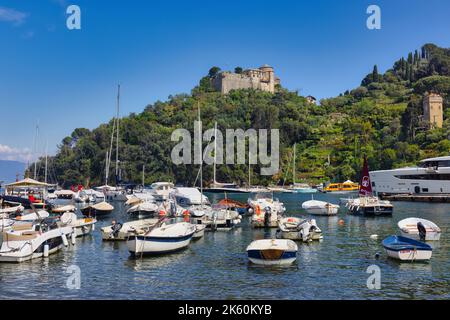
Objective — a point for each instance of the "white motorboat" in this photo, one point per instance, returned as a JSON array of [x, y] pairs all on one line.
[[144, 208], [8, 210], [165, 237], [294, 228], [6, 224], [199, 231], [220, 219], [62, 209], [406, 249], [65, 194], [410, 228], [320, 208], [272, 251], [23, 243], [33, 216], [120, 231], [81, 226], [265, 218], [264, 200], [161, 190]]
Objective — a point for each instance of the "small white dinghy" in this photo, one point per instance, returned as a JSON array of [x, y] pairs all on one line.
[[120, 232], [294, 228], [320, 208], [81, 226], [25, 242], [272, 252], [165, 237], [410, 228]]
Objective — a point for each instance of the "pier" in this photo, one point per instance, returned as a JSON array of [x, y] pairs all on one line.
[[440, 198]]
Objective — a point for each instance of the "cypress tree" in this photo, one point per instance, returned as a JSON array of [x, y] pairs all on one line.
[[410, 58], [407, 74], [424, 54], [375, 76], [416, 57], [411, 74]]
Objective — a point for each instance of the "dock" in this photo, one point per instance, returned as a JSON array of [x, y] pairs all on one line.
[[439, 198]]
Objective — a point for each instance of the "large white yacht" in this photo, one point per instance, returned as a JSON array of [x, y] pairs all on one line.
[[431, 176]]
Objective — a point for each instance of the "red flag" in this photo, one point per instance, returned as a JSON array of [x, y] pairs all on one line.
[[365, 187]]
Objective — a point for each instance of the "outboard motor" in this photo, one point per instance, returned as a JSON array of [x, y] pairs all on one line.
[[115, 229], [267, 214], [422, 231]]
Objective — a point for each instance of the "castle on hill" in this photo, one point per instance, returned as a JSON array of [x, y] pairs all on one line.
[[262, 78]]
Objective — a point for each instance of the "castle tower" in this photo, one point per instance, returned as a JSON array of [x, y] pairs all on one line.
[[268, 76], [433, 110]]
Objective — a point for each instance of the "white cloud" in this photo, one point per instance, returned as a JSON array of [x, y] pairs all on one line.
[[10, 153], [12, 16]]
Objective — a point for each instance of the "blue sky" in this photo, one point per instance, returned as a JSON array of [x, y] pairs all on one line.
[[67, 79]]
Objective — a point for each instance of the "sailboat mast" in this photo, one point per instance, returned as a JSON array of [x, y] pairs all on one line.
[[215, 152], [35, 149], [201, 156], [117, 132], [106, 168], [46, 162], [293, 169]]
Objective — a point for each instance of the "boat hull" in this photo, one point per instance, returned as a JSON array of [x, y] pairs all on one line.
[[149, 245], [272, 257], [409, 254], [372, 211]]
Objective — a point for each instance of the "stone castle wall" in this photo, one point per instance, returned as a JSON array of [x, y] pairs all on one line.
[[259, 79]]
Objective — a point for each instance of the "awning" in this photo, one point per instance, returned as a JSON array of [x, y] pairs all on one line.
[[28, 182]]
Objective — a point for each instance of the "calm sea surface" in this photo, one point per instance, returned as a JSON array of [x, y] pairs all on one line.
[[216, 266]]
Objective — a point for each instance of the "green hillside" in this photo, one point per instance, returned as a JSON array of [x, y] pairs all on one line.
[[379, 118]]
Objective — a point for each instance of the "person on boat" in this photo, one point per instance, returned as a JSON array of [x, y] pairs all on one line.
[[422, 231], [115, 227], [267, 214]]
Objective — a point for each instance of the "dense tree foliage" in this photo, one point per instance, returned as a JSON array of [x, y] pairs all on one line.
[[380, 118]]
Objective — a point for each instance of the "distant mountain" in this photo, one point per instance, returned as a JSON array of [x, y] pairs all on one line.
[[9, 169]]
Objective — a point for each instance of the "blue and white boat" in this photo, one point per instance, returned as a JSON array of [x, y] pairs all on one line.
[[272, 251], [164, 237], [407, 249]]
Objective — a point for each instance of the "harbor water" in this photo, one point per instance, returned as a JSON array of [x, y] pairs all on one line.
[[216, 266]]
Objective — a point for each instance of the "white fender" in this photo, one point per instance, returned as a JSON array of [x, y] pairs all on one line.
[[46, 249], [64, 239]]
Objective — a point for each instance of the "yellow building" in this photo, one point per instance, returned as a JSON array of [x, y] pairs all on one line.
[[433, 110]]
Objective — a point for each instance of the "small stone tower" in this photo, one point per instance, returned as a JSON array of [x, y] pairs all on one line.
[[433, 110]]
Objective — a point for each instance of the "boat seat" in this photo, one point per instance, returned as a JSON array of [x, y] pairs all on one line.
[[16, 237], [22, 226]]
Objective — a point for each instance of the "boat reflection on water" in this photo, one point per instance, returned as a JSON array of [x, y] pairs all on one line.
[[156, 263]]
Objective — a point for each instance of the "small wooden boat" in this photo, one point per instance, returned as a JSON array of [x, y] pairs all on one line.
[[406, 249], [164, 237], [122, 231], [410, 228], [298, 229], [272, 252], [320, 208], [98, 209]]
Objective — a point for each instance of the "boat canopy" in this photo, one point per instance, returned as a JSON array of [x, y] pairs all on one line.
[[27, 183]]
